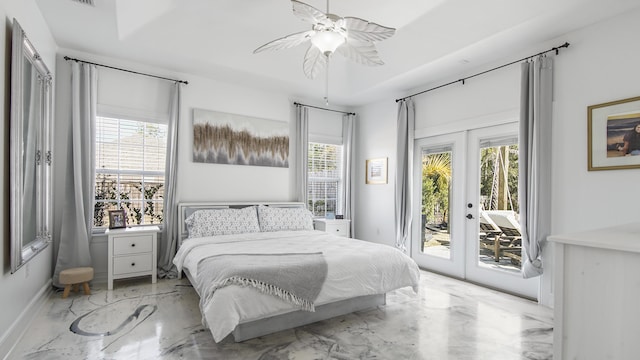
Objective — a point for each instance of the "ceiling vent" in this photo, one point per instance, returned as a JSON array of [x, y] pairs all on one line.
[[86, 2]]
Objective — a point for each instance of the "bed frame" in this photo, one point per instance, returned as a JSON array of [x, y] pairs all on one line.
[[269, 325]]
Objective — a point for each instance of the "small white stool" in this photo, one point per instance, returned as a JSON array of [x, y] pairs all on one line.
[[76, 276]]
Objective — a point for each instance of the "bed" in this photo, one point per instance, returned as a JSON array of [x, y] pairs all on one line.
[[260, 268]]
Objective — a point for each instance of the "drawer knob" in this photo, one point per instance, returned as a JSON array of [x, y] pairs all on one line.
[[133, 264], [133, 245]]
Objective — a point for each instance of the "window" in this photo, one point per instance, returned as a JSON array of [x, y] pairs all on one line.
[[130, 164], [324, 178]]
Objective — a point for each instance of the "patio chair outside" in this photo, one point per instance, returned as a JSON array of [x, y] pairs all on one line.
[[508, 242], [490, 235]]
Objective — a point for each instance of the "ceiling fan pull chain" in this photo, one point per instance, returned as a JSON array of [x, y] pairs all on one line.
[[326, 83]]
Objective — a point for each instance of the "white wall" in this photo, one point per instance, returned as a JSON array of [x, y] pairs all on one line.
[[599, 66], [20, 290], [374, 203], [199, 181]]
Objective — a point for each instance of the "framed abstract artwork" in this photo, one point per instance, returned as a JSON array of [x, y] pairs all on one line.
[[224, 138]]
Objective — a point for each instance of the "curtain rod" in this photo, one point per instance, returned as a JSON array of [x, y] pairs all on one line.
[[556, 49], [325, 109], [125, 70]]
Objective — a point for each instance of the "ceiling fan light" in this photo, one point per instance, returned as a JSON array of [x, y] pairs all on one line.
[[327, 41]]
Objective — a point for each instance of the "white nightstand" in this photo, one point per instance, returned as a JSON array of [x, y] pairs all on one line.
[[132, 252], [338, 227]]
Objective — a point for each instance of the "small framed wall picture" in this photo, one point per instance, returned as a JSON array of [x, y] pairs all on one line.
[[117, 219], [376, 170], [613, 135]]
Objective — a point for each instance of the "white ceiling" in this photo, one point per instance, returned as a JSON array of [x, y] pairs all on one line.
[[435, 39]]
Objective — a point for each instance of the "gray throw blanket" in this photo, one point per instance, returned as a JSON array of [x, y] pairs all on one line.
[[293, 277]]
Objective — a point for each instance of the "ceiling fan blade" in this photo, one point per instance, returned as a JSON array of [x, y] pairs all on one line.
[[314, 61], [363, 30], [364, 53], [286, 42], [308, 13]]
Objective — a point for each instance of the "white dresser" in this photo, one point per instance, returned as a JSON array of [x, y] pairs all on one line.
[[132, 252], [338, 227], [597, 294]]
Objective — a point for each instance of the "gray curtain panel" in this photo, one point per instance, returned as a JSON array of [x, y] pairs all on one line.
[[170, 232], [302, 144], [535, 161], [77, 216], [406, 120], [348, 161]]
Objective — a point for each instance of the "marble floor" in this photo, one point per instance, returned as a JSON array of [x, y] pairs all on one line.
[[447, 319]]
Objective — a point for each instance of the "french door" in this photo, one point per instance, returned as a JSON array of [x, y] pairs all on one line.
[[466, 195]]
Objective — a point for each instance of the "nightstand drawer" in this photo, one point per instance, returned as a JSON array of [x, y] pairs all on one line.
[[132, 264], [333, 226], [338, 229], [124, 245]]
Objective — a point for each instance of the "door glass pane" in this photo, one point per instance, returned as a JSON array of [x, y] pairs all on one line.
[[499, 230], [435, 209]]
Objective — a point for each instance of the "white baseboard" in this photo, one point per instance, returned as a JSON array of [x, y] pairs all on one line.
[[99, 278], [15, 332]]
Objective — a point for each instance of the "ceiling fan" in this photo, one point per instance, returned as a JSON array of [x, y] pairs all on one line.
[[351, 37]]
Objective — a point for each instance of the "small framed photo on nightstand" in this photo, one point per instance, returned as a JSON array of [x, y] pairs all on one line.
[[117, 219]]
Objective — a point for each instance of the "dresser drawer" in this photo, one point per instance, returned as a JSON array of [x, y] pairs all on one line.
[[123, 245], [132, 264]]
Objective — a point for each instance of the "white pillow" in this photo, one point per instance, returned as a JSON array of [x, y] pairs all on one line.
[[222, 222], [282, 219]]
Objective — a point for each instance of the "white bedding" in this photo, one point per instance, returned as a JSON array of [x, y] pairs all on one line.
[[355, 268]]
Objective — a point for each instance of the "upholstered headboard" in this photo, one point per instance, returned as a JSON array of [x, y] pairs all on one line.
[[188, 208]]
